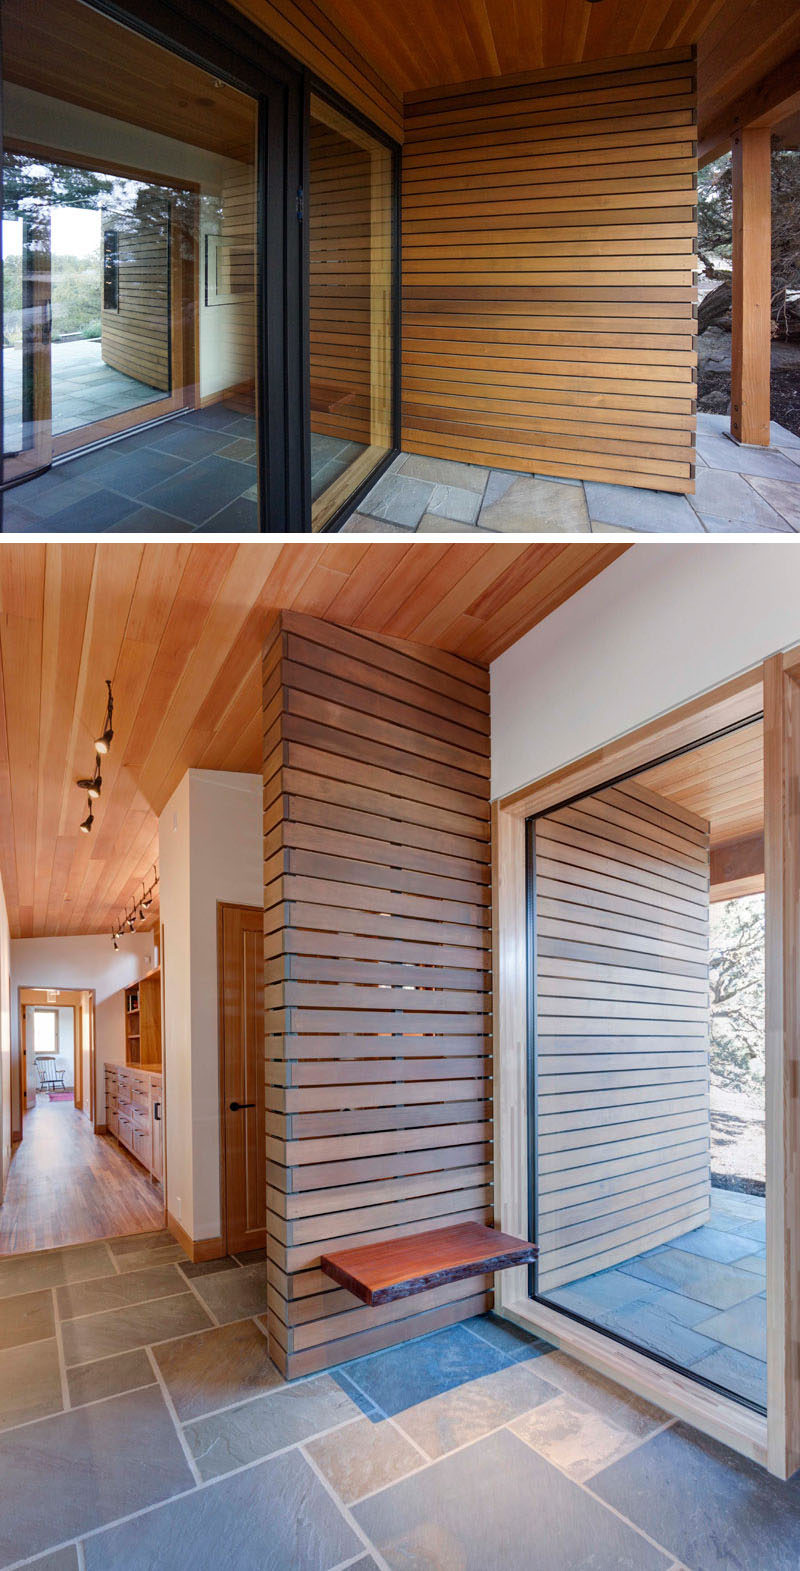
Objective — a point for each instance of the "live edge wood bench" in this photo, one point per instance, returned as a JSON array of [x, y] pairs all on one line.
[[399, 1267]]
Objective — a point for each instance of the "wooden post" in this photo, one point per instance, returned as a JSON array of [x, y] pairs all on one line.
[[752, 244]]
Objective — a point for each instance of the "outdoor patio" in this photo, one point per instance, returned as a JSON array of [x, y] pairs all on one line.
[[738, 489], [84, 389], [699, 1300]]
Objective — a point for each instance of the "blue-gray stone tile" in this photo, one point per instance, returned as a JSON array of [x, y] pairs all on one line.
[[188, 441], [362, 1401], [454, 502], [653, 512], [736, 1372], [714, 1510], [149, 521], [606, 1290], [202, 489], [107, 1460], [744, 1326], [139, 1325], [714, 1244], [240, 517], [710, 1281], [133, 473], [398, 500], [215, 417], [266, 1424], [660, 1332], [497, 1503], [507, 1338], [720, 452], [273, 1517], [93, 513], [65, 1559], [722, 494], [445, 472], [401, 1376]]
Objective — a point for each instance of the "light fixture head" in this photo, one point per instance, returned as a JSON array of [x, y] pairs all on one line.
[[103, 742], [147, 901], [86, 826], [114, 937], [131, 923], [94, 786]]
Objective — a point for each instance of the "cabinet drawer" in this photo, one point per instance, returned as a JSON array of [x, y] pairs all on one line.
[[142, 1145], [141, 1117], [140, 1096]]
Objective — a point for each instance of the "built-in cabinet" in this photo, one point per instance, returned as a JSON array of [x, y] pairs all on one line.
[[143, 1020], [135, 1113]]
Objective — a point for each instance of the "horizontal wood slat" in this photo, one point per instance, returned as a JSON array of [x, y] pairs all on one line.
[[548, 268], [377, 995], [621, 1030]]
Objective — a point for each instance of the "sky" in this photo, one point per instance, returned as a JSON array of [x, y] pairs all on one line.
[[75, 231]]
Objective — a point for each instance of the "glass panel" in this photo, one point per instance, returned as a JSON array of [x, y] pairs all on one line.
[[649, 1052], [129, 238], [350, 294]]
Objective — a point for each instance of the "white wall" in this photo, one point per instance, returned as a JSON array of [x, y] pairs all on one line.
[[85, 962], [210, 850], [661, 625], [5, 1044]]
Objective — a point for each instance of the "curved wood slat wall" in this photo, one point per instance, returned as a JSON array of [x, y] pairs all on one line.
[[622, 884], [377, 1001], [548, 286]]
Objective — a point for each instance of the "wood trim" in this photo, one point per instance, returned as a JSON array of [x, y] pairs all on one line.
[[751, 282], [736, 700], [721, 1417], [196, 1248], [782, 881], [224, 906]]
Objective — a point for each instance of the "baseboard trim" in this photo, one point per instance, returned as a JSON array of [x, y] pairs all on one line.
[[197, 1249], [101, 1129]]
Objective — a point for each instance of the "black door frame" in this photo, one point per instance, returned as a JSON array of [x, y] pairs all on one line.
[[220, 39]]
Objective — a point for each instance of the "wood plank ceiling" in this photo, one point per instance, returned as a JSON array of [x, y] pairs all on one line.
[[419, 44], [723, 781], [179, 629]]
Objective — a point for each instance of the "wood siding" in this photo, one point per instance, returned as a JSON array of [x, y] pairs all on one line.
[[622, 1131], [340, 225], [548, 253], [135, 337], [377, 1002]]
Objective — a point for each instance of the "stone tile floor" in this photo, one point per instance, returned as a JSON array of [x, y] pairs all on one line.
[[143, 1425], [699, 1300], [738, 489], [194, 473], [84, 389]]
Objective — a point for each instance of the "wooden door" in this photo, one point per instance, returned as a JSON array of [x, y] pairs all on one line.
[[243, 1116]]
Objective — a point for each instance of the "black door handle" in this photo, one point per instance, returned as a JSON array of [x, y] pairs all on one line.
[[236, 1107]]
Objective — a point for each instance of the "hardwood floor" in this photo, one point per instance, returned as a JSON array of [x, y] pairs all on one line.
[[67, 1185]]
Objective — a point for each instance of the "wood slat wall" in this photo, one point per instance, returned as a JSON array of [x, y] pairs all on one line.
[[622, 881], [548, 274], [377, 1000], [340, 303], [135, 338]]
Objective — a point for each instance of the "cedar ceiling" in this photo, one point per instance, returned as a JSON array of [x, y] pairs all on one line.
[[723, 781], [417, 45], [179, 628]]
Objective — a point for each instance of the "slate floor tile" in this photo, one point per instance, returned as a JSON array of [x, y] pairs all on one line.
[[509, 1339], [30, 1383], [273, 1517], [195, 1268], [269, 1423], [110, 1459], [119, 1330], [113, 1292], [709, 1280], [620, 1407], [23, 1273], [65, 1559], [233, 1295], [499, 1504], [454, 502], [240, 517], [441, 471], [783, 496], [433, 524], [364, 1457], [603, 1291], [97, 511], [138, 1243], [536, 507], [720, 452], [148, 521], [713, 1509], [202, 489], [187, 441], [138, 1260], [400, 1377], [744, 1327], [216, 1368], [398, 500], [656, 1329], [573, 1436], [713, 1244], [654, 512], [215, 417], [736, 1372], [133, 473], [469, 1411], [761, 525], [28, 1317], [109, 1377], [363, 1402], [722, 494]]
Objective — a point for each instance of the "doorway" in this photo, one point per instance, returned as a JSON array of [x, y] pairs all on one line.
[[240, 941]]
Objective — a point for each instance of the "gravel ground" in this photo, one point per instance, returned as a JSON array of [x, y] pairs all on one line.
[[737, 1138], [714, 378]]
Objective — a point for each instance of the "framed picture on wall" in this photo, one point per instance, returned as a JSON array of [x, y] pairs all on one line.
[[229, 270]]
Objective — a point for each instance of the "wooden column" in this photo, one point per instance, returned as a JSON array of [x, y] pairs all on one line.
[[752, 244]]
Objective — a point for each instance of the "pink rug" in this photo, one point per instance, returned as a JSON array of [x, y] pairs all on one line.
[[61, 1096]]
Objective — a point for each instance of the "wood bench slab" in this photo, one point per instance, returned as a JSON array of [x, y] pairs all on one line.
[[399, 1267]]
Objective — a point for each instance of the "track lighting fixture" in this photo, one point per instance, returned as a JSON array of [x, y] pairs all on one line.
[[86, 826], [138, 910], [114, 937], [103, 742], [93, 786]]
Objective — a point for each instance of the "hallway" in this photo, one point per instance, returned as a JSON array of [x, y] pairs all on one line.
[[67, 1185]]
